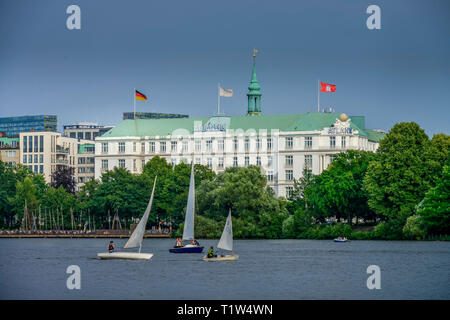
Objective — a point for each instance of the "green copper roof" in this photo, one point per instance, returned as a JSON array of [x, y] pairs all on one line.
[[374, 135], [254, 93], [254, 87], [286, 122]]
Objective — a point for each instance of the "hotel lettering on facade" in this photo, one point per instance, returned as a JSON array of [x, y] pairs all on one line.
[[283, 145]]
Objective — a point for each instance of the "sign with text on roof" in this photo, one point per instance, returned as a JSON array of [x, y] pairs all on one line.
[[213, 124], [340, 127]]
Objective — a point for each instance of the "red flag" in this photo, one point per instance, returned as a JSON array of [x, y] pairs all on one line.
[[326, 87]]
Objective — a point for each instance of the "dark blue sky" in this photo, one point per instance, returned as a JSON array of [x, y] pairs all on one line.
[[176, 51]]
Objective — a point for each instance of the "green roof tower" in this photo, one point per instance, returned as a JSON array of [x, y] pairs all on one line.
[[254, 93]]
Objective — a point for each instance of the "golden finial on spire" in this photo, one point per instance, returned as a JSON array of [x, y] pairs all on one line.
[[255, 51]]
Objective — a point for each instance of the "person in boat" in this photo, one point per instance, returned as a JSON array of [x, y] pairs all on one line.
[[195, 242], [178, 244], [211, 253], [111, 246]]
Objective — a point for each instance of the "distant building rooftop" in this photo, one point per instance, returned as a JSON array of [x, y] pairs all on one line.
[[152, 115], [282, 122], [13, 126]]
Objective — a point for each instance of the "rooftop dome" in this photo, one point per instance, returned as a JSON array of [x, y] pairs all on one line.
[[343, 117]]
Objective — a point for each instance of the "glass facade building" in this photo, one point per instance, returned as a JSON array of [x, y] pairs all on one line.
[[13, 126]]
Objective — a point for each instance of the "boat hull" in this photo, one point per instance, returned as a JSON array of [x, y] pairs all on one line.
[[335, 240], [191, 249], [124, 255], [228, 257]]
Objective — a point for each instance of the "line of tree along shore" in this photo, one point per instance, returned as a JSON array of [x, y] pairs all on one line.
[[402, 191]]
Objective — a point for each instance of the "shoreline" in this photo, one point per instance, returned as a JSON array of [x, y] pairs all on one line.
[[169, 236], [65, 236]]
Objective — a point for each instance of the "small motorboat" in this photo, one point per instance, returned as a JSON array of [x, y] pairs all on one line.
[[189, 248], [341, 239]]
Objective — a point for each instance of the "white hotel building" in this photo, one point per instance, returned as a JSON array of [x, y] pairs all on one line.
[[283, 145]]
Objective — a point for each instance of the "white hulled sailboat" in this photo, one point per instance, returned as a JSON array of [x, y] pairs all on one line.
[[225, 243], [135, 240]]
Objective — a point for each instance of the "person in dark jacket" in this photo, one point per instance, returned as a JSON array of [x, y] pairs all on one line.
[[111, 246]]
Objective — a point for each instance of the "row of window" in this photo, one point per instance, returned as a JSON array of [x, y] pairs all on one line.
[[289, 142], [185, 146], [87, 160], [31, 143], [12, 144], [29, 158], [289, 160], [37, 169], [86, 170], [220, 145], [84, 135], [10, 153], [84, 179]]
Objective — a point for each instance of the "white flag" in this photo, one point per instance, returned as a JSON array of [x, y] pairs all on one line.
[[225, 92]]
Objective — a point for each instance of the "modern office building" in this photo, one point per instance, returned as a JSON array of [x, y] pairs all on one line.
[[9, 150], [85, 163], [283, 145], [43, 152], [13, 126], [85, 130], [152, 115]]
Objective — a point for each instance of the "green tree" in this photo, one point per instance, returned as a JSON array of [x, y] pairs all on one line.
[[441, 143], [26, 193], [297, 198], [414, 228], [256, 212], [64, 176], [7, 190], [434, 210], [338, 190], [404, 169], [121, 191]]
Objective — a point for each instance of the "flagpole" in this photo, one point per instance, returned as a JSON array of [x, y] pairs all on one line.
[[218, 99], [134, 101], [318, 95]]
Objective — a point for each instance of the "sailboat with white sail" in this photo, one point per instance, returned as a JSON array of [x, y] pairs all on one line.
[[136, 238], [188, 231], [225, 243]]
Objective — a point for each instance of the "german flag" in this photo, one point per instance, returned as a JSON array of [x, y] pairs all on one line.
[[140, 96]]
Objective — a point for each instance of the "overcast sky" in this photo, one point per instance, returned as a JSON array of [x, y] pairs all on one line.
[[177, 51]]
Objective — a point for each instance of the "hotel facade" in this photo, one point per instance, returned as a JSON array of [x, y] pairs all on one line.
[[283, 145]]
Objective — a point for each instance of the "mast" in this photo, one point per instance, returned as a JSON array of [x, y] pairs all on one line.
[[71, 217], [188, 231], [62, 219], [138, 234]]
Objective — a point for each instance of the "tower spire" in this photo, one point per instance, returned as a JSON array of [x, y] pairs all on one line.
[[254, 93]]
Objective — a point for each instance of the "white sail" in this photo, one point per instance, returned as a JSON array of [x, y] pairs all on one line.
[[138, 233], [226, 240], [188, 231]]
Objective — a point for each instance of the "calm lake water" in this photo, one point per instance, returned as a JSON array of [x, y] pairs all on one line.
[[267, 269]]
